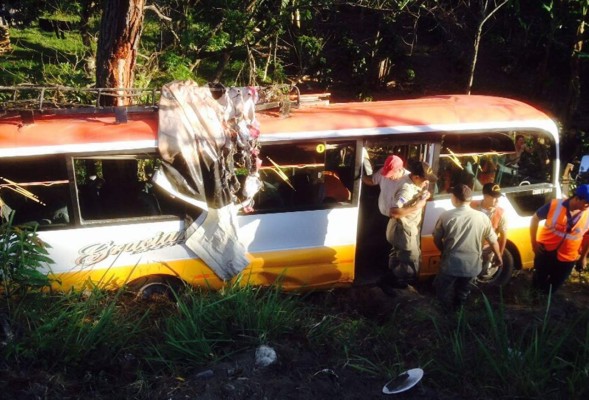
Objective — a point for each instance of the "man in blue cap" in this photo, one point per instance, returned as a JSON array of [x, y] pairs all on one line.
[[559, 244]]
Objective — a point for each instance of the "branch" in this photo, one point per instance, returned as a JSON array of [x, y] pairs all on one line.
[[158, 12], [161, 15], [493, 12]]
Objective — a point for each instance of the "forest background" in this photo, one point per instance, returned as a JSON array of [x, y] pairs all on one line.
[[532, 50]]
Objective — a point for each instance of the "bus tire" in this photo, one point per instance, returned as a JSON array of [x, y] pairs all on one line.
[[502, 275], [153, 288]]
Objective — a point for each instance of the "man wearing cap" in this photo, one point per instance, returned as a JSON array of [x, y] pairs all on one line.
[[559, 244], [459, 234], [387, 178], [488, 206], [403, 227]]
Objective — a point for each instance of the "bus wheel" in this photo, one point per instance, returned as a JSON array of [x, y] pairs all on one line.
[[499, 276], [156, 287]]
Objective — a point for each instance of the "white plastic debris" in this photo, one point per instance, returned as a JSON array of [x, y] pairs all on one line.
[[265, 356]]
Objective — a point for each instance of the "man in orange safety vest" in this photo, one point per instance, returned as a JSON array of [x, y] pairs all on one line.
[[559, 244]]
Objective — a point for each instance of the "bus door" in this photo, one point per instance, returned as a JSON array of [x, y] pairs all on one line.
[[373, 248]]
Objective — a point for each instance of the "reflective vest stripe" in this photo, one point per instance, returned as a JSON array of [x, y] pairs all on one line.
[[554, 236]]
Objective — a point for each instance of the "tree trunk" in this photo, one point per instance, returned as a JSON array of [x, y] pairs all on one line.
[[223, 62], [475, 55], [118, 42], [574, 89], [88, 8]]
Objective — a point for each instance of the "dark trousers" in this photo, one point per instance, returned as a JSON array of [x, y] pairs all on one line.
[[549, 272], [403, 267], [452, 291]]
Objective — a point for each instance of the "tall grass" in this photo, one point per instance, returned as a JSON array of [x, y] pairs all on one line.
[[208, 326], [68, 331], [488, 354]]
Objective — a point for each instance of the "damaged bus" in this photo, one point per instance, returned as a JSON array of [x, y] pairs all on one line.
[[138, 196]]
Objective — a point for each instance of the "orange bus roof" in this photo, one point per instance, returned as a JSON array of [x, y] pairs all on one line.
[[81, 132], [446, 113]]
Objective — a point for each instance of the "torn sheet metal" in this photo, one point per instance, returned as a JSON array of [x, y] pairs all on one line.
[[202, 134], [213, 237]]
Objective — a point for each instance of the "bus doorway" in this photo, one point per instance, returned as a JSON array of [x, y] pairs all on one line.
[[372, 248]]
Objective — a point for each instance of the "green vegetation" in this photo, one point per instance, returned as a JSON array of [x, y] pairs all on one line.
[[22, 254], [99, 343]]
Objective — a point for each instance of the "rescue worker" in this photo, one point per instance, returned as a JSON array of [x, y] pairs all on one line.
[[403, 229], [459, 235], [489, 207], [558, 245]]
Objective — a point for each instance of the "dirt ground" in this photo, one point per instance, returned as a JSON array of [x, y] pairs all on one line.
[[301, 375]]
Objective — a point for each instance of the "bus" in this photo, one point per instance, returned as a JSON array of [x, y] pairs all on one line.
[[85, 181]]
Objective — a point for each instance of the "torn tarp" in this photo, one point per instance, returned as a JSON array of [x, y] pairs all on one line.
[[200, 133]]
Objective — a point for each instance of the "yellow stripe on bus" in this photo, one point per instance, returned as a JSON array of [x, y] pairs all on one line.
[[311, 268]]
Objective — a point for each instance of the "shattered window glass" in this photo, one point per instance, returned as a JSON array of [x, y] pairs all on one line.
[[510, 159], [120, 187], [35, 190], [305, 175]]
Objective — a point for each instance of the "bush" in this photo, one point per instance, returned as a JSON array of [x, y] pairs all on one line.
[[22, 257]]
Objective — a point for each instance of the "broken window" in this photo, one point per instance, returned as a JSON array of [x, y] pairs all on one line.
[[35, 190], [120, 187], [476, 160], [305, 175]]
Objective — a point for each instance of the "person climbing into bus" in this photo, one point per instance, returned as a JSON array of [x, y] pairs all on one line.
[[387, 178], [459, 234], [489, 207], [403, 229], [559, 244]]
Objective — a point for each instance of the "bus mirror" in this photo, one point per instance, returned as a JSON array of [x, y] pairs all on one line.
[[583, 175], [584, 167]]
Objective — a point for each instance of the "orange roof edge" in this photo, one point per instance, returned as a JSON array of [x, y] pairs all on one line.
[[73, 133]]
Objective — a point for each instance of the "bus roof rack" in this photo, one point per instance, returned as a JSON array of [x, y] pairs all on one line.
[[30, 100]]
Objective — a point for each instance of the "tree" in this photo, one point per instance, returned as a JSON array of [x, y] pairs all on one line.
[[88, 8], [118, 42], [488, 8]]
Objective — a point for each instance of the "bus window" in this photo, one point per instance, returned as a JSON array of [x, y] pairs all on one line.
[[120, 187], [474, 161], [36, 189], [305, 176]]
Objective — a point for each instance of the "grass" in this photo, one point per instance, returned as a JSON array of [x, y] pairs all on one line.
[[42, 58], [208, 326], [481, 352]]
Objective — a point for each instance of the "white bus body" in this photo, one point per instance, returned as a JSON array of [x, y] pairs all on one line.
[[317, 228]]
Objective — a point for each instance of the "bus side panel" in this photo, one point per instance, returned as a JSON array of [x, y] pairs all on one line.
[[300, 249], [112, 255]]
